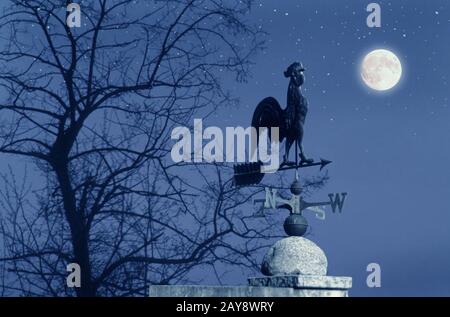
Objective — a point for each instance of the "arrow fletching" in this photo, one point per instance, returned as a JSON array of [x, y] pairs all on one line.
[[247, 174]]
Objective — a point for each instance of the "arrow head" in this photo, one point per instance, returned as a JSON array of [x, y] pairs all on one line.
[[324, 163]]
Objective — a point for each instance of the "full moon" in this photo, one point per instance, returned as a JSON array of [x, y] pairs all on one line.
[[381, 70]]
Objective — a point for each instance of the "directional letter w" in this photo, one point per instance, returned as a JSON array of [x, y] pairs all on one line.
[[337, 200]]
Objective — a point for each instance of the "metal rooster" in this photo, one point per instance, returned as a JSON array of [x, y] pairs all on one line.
[[291, 120]]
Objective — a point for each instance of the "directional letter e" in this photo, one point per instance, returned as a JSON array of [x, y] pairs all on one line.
[[374, 278], [374, 18], [74, 16], [74, 278]]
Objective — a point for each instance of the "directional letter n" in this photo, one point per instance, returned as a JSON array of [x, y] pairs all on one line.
[[271, 198]]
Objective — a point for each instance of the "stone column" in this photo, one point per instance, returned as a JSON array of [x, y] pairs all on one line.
[[298, 264]]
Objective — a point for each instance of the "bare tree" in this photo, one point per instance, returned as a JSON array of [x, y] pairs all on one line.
[[92, 108]]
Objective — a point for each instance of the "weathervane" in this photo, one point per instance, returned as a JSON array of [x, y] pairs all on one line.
[[296, 224], [290, 122]]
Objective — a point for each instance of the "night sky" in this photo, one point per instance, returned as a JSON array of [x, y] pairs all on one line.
[[390, 149]]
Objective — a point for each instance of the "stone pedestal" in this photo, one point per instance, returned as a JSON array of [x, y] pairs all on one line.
[[295, 267], [310, 285], [298, 263], [242, 291], [276, 286]]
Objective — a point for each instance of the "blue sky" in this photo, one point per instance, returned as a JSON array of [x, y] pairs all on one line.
[[390, 150]]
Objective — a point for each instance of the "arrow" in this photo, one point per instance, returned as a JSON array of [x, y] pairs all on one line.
[[250, 173], [292, 165]]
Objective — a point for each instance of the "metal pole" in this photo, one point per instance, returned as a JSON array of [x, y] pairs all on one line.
[[296, 159]]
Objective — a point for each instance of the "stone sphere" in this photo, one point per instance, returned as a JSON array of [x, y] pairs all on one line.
[[295, 225], [296, 188], [294, 255]]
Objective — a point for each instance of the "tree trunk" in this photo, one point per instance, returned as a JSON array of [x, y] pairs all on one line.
[[79, 236]]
